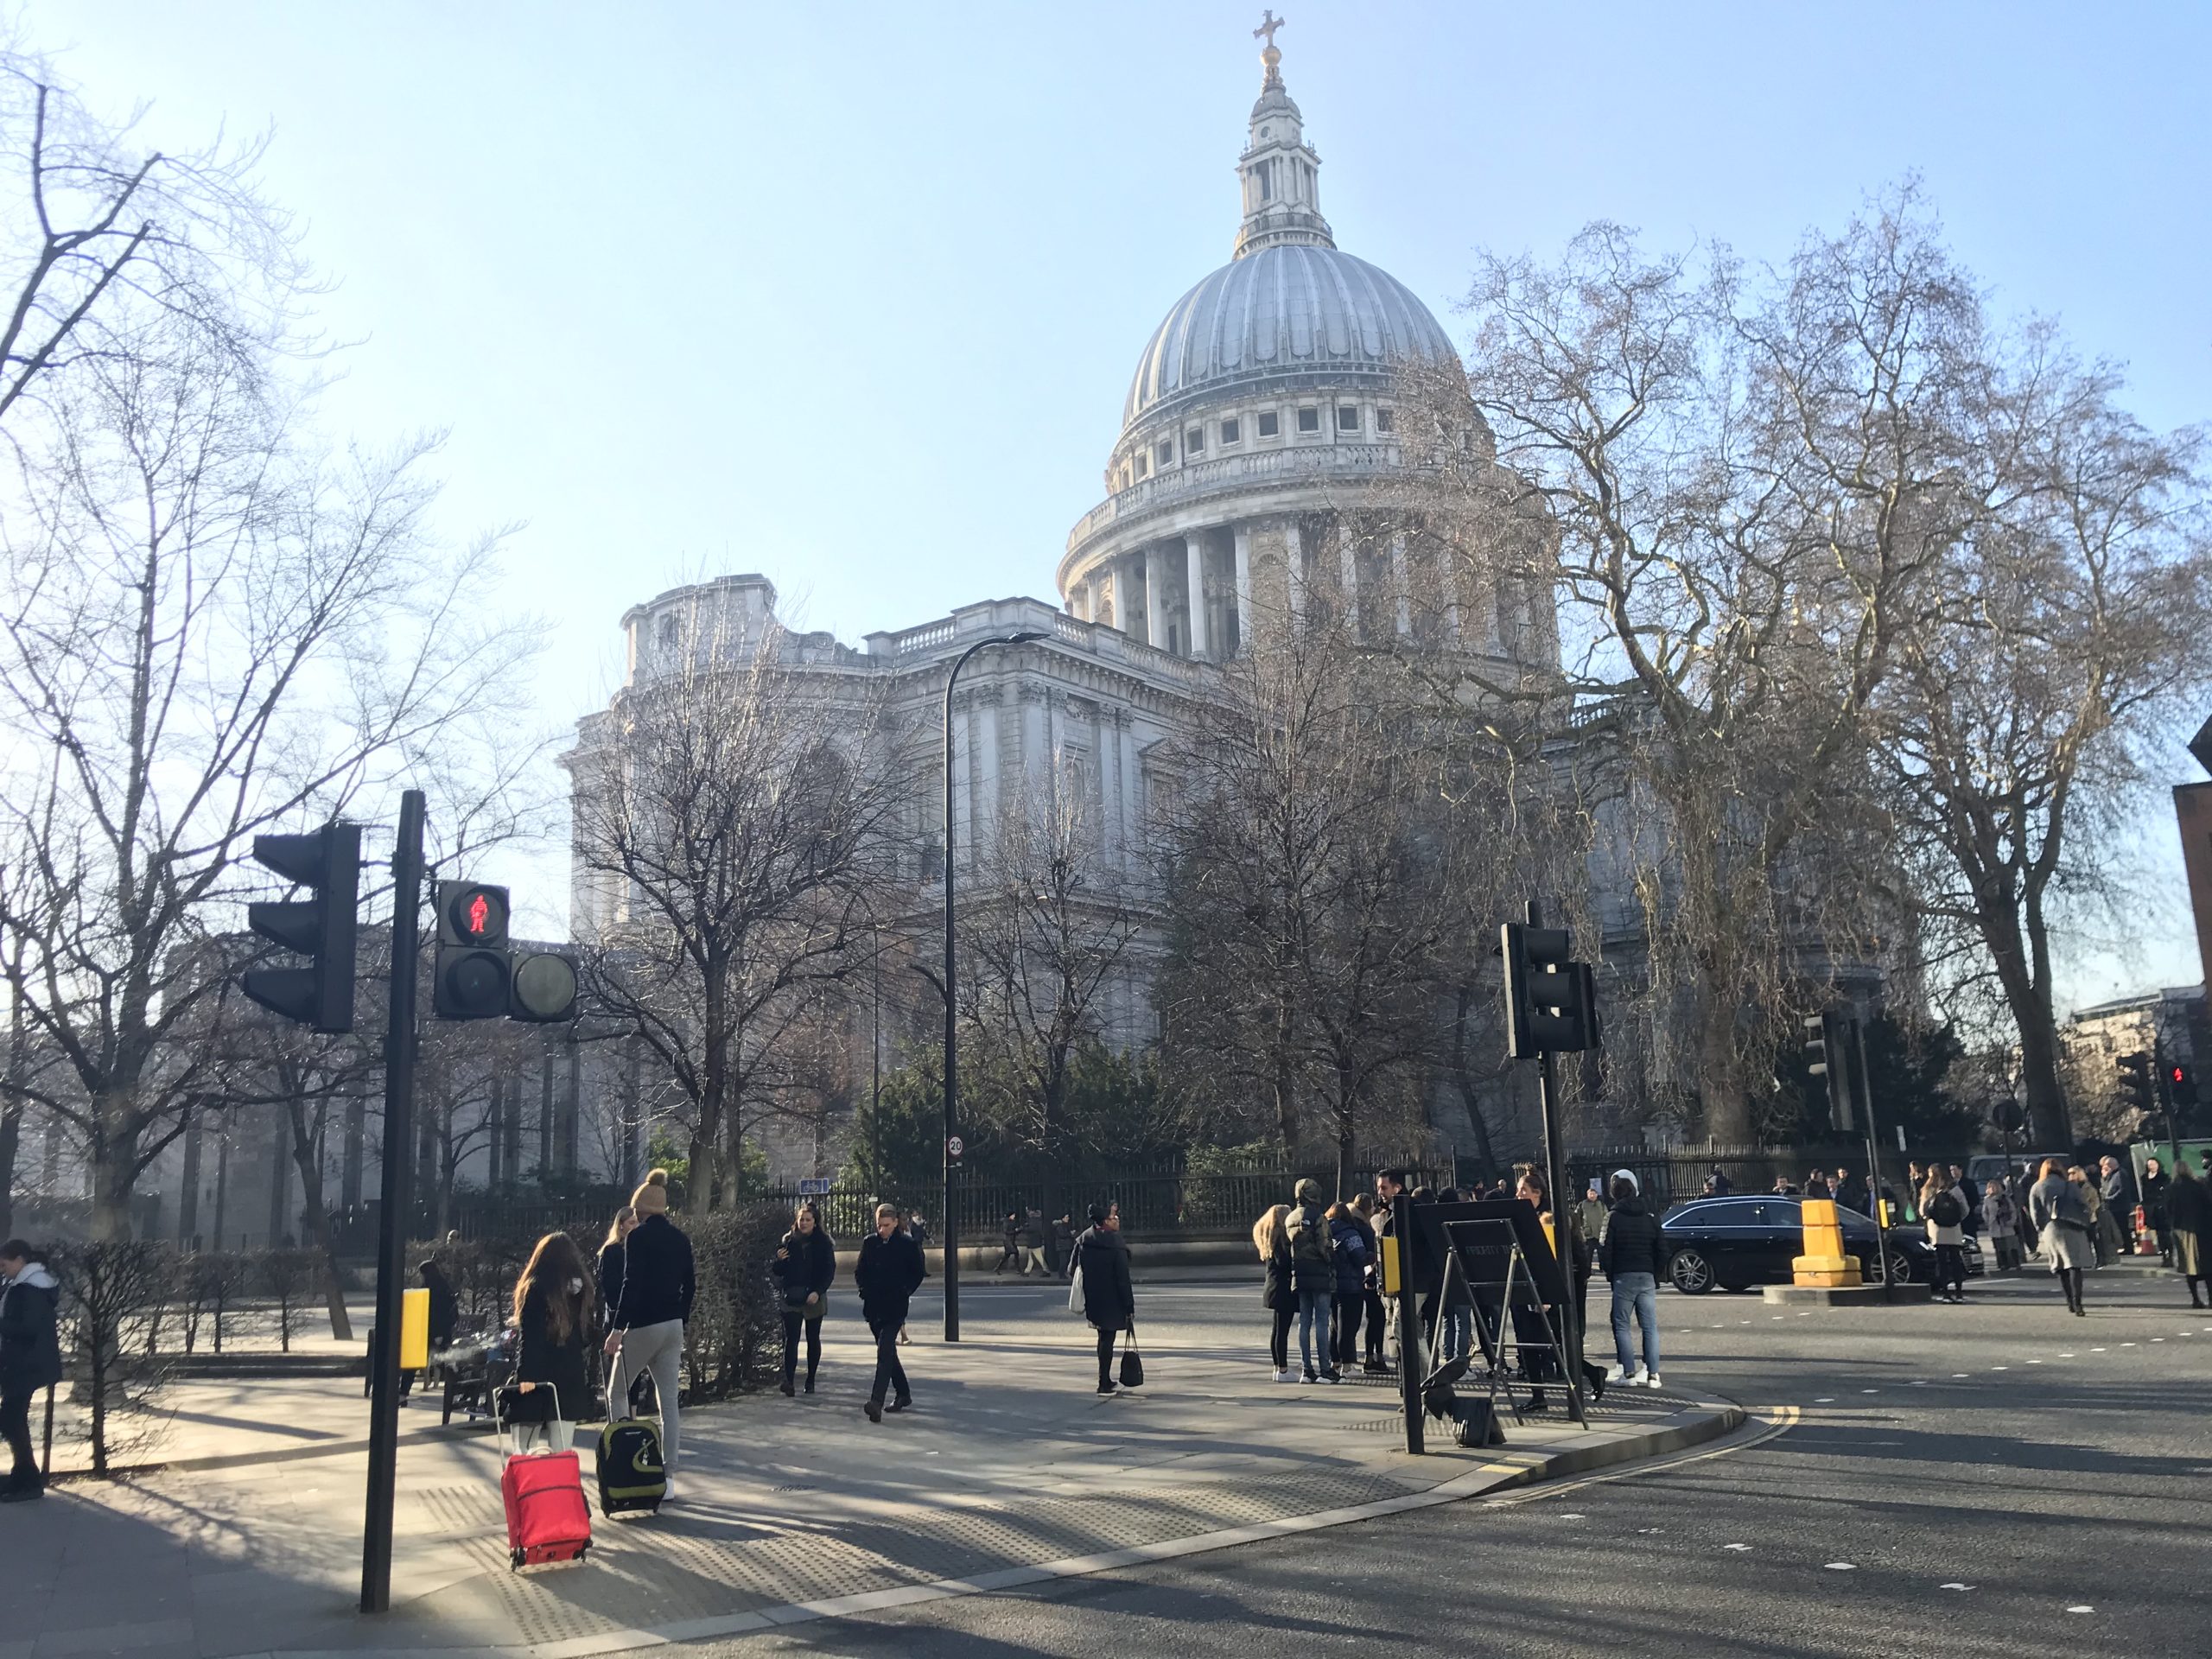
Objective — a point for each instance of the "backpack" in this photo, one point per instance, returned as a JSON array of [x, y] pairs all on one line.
[[1947, 1210]]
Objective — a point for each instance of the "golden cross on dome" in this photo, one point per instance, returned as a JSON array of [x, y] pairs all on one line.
[[1268, 24]]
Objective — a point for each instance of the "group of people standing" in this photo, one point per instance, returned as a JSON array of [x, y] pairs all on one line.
[[1321, 1270]]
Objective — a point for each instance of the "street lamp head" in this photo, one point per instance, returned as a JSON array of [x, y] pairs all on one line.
[[1024, 637]]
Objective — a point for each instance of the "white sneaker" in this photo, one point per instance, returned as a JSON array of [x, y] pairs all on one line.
[[1620, 1374], [1285, 1376], [1651, 1379]]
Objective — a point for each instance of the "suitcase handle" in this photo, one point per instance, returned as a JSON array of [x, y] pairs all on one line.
[[499, 1424]]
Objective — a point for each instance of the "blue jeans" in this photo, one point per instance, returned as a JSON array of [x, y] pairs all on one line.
[[1638, 1292], [1458, 1331], [1314, 1306]]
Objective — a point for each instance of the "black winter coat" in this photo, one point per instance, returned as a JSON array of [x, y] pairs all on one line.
[[540, 1359], [888, 1273], [1279, 1286], [657, 1276], [1109, 1299], [806, 1262], [1632, 1240], [30, 1349], [2154, 1196]]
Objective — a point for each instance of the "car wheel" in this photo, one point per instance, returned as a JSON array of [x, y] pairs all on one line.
[[1734, 1287], [1691, 1271], [1870, 1269]]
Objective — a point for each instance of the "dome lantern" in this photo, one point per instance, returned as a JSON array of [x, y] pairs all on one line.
[[1280, 171]]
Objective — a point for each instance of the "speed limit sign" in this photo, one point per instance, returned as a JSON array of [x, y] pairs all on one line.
[[953, 1145]]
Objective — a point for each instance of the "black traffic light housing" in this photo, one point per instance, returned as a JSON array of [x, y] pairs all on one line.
[[322, 928], [1551, 1003], [542, 989], [472, 975], [2181, 1086], [1829, 1041], [2135, 1086]]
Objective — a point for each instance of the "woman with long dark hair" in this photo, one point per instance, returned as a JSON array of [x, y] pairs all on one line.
[[552, 1312], [805, 1265]]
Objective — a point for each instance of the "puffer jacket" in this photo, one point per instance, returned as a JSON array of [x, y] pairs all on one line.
[[1353, 1243], [1313, 1252], [1631, 1242], [30, 1348]]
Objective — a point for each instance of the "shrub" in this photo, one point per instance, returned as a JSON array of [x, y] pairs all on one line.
[[114, 1292], [291, 1277], [733, 1342]]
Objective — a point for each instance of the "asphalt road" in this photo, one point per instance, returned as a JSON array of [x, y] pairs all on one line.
[[2000, 1479]]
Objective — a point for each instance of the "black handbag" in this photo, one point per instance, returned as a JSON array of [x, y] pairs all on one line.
[[1131, 1363]]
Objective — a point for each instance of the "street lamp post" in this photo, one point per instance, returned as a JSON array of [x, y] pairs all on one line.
[[951, 1037]]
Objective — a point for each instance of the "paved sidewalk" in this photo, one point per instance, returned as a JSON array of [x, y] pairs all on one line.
[[1011, 1471]]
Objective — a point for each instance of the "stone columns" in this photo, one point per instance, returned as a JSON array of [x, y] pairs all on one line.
[[1348, 573], [1244, 534], [1293, 567], [1125, 740], [982, 811], [1156, 596], [1194, 568], [1398, 582]]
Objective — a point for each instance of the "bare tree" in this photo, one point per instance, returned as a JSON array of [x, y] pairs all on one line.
[[1741, 489], [1047, 934], [1306, 927], [738, 812], [207, 631], [102, 229], [2033, 692]]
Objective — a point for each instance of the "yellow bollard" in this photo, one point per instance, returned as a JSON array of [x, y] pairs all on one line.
[[1824, 1262], [1389, 1264], [415, 1329]]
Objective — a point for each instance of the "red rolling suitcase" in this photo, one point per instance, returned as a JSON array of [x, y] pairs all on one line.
[[547, 1517]]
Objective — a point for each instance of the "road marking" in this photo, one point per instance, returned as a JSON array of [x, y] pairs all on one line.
[[1572, 1516], [2127, 1345], [2084, 1608], [2096, 1351], [1825, 1400], [1735, 1545], [1841, 1567], [2000, 1368], [2035, 1361], [1959, 1374], [2155, 1339], [2066, 1356], [1870, 1390], [1954, 1586], [1645, 1532]]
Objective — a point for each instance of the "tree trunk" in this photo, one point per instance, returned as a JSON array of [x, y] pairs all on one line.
[[114, 1155], [2027, 999], [1485, 1153], [1720, 1074], [318, 1220], [11, 1134]]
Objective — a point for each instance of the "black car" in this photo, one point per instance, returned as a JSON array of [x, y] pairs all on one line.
[[1735, 1241]]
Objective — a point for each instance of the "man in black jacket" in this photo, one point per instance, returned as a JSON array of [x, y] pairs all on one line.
[[889, 1272], [1631, 1252]]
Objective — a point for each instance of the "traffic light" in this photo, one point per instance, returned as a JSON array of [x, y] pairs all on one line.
[[544, 990], [2135, 1083], [472, 975], [2181, 1086], [1551, 1003], [1828, 1040], [321, 929]]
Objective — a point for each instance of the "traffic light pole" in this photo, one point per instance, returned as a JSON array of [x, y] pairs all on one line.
[[1866, 1093], [395, 1191], [1570, 1313]]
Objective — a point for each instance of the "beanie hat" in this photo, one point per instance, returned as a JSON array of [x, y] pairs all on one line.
[[1097, 1213], [652, 1198], [1308, 1191], [1628, 1175]]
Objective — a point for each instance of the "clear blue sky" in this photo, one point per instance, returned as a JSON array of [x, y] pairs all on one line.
[[851, 294]]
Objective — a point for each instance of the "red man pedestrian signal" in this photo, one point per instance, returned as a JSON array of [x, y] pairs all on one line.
[[472, 973]]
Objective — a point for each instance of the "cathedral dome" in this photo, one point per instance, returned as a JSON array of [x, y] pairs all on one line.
[[1285, 316]]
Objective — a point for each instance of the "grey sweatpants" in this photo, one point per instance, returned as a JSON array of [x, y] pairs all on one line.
[[659, 1349]]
